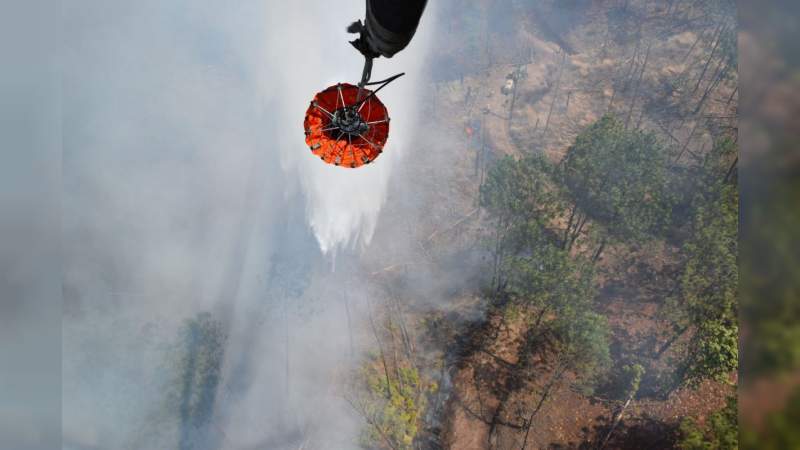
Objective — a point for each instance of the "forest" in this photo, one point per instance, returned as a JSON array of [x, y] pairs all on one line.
[[553, 261], [586, 221], [598, 219]]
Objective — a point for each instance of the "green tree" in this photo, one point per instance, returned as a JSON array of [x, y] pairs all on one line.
[[706, 302], [627, 381], [198, 358], [538, 278], [718, 165], [543, 278], [779, 431], [516, 190], [554, 289], [616, 177], [720, 433], [770, 290], [391, 407], [519, 195], [555, 293], [580, 347], [691, 185], [583, 344]]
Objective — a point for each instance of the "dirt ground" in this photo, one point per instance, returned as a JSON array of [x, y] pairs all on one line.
[[572, 79]]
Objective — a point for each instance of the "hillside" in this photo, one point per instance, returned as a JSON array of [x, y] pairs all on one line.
[[493, 361]]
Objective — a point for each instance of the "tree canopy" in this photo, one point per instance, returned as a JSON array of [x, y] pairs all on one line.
[[618, 178], [706, 301], [552, 287], [721, 431]]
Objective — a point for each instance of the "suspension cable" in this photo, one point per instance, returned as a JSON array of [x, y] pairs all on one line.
[[366, 73], [382, 83]]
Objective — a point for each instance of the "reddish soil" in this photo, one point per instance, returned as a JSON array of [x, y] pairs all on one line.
[[487, 407]]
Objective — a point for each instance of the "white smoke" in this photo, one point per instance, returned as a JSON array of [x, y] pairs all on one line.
[[183, 156]]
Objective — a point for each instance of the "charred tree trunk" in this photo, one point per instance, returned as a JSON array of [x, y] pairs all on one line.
[[691, 49], [626, 81], [599, 251], [733, 94], [686, 144], [349, 322], [547, 390], [395, 359], [514, 95], [498, 256], [380, 348], [731, 169], [638, 84], [407, 343], [617, 419], [670, 341], [569, 227], [719, 74], [555, 93], [578, 230], [611, 102], [710, 57]]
